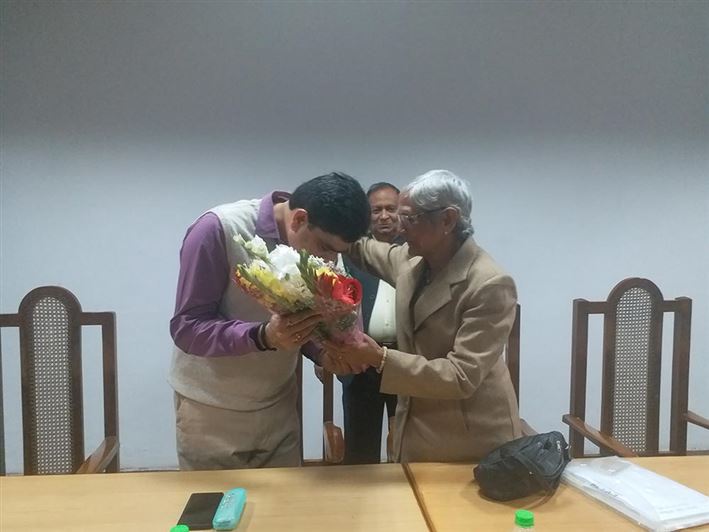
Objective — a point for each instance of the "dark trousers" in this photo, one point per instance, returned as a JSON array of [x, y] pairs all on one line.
[[363, 406]]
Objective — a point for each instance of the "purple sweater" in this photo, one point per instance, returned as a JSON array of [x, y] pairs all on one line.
[[197, 326]]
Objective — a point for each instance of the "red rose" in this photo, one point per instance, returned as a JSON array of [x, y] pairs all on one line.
[[347, 290], [324, 284]]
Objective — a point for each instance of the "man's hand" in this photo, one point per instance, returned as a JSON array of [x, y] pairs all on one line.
[[290, 331]]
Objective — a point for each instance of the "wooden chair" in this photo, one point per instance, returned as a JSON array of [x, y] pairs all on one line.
[[333, 440], [50, 321], [632, 345]]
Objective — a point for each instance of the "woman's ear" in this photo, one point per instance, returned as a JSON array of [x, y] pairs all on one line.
[[450, 219]]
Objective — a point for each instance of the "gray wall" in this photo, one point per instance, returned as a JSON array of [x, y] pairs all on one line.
[[581, 126]]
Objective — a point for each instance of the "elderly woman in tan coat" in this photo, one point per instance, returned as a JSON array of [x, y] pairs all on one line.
[[454, 310]]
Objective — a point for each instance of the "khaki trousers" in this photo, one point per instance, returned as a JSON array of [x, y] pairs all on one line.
[[217, 438]]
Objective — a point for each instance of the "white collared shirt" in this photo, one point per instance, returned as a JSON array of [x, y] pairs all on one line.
[[382, 324]]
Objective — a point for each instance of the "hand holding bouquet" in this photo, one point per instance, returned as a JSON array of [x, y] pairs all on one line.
[[286, 281]]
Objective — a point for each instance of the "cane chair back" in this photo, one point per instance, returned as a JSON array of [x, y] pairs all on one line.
[[50, 321]]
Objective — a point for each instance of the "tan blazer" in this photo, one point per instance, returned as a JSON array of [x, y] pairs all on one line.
[[456, 400]]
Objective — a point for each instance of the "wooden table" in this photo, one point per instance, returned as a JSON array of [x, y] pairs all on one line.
[[451, 500], [332, 499]]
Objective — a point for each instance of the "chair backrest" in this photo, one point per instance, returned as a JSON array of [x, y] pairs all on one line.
[[50, 321], [328, 399], [632, 360]]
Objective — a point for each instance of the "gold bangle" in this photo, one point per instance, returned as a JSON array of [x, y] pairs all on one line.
[[383, 360]]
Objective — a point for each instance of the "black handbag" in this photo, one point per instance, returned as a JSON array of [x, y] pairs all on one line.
[[523, 466]]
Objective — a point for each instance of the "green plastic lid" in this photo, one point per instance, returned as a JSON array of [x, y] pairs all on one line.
[[524, 518], [180, 528]]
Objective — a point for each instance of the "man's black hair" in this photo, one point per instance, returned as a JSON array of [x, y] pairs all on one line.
[[336, 203], [376, 187]]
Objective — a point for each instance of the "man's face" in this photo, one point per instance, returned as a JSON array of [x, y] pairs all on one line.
[[384, 224], [303, 235]]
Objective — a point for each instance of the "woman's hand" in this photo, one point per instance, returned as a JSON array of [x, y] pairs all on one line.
[[337, 365], [361, 353]]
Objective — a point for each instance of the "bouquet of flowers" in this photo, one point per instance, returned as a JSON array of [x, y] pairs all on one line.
[[286, 281]]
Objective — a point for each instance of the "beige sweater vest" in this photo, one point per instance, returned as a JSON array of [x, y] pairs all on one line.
[[246, 382]]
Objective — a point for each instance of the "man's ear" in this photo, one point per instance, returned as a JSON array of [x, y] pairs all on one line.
[[299, 218]]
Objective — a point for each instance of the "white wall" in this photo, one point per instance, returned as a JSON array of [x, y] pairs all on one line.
[[582, 128]]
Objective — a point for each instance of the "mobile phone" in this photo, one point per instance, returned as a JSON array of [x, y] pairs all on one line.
[[199, 510]]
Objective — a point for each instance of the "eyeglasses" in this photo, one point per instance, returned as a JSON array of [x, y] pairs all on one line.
[[413, 219]]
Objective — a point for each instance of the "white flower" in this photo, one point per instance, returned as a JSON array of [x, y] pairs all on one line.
[[317, 262], [257, 246], [284, 260], [284, 263]]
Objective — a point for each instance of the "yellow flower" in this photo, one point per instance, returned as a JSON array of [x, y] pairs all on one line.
[[324, 270]]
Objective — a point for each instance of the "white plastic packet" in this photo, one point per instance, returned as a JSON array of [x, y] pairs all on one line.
[[653, 501]]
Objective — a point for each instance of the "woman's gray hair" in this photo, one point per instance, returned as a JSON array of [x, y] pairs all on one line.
[[439, 189]]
